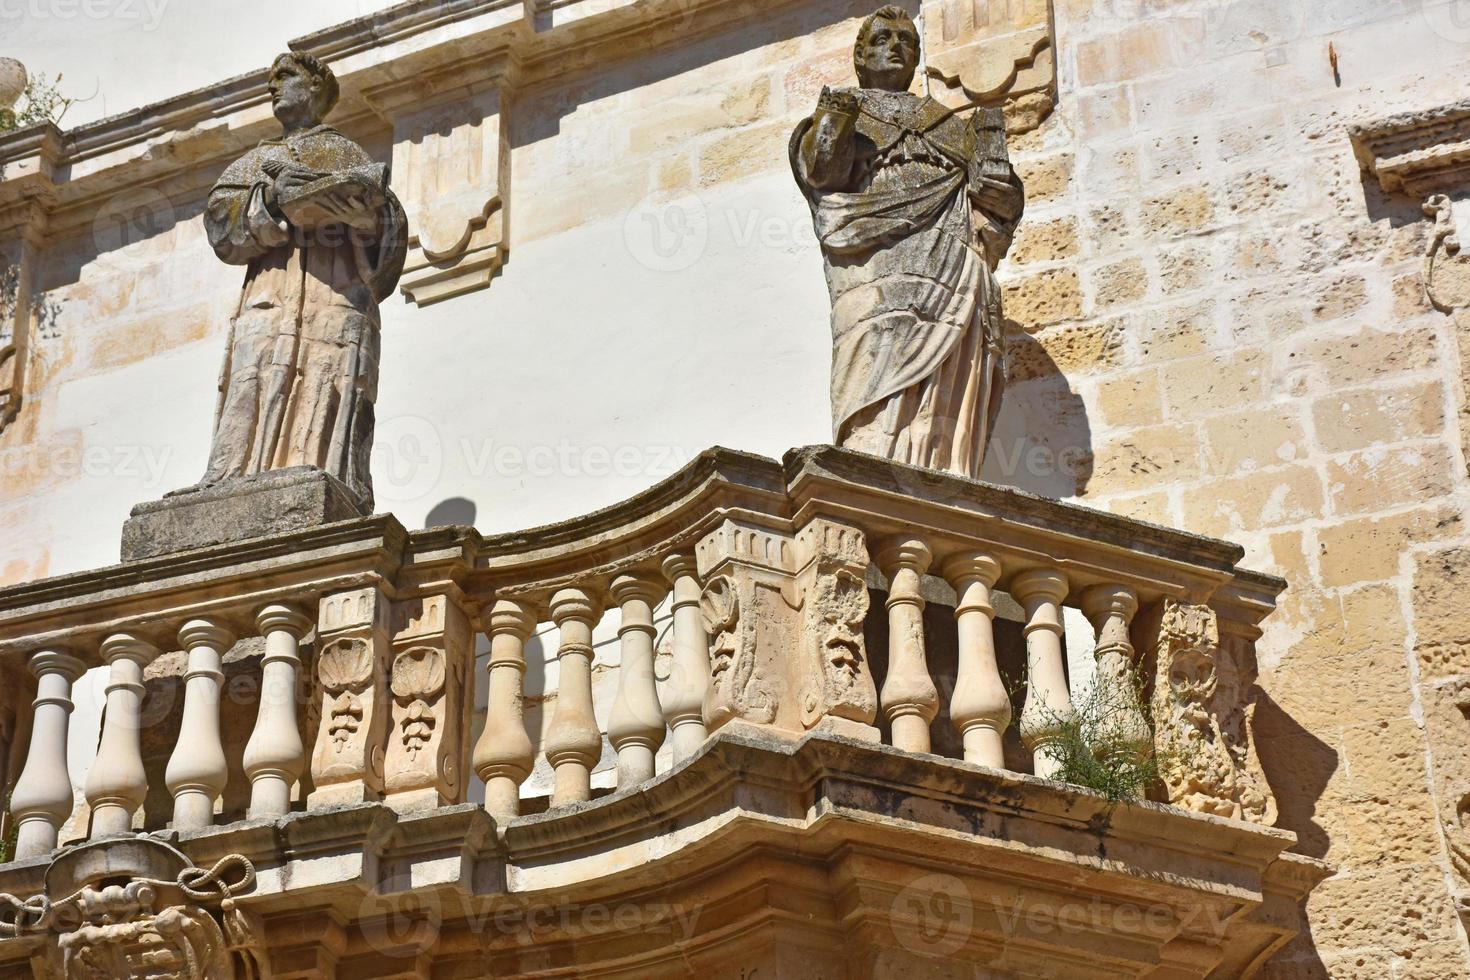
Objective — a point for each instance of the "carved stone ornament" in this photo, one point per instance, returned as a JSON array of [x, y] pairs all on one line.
[[836, 679], [1202, 717], [418, 682], [345, 669], [1425, 155], [135, 907], [736, 688], [914, 205]]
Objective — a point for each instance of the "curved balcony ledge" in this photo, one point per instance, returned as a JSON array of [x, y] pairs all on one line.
[[883, 497], [873, 859]]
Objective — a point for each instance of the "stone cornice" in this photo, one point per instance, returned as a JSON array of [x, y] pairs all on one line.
[[175, 139], [1419, 153], [749, 807]]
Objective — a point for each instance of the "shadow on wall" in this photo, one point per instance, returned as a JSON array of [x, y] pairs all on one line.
[[1042, 441], [450, 512], [1298, 766]]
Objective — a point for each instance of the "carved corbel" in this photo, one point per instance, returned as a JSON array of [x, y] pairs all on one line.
[[432, 653], [1015, 71], [451, 159], [1204, 706], [352, 661], [749, 611], [835, 685]]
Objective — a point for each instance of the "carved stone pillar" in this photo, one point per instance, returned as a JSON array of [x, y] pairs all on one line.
[[688, 686], [42, 799], [1203, 710], [429, 741], [750, 615], [117, 783], [573, 741], [351, 671], [910, 700], [197, 772], [1048, 703], [636, 726], [981, 706], [504, 754], [834, 681], [1125, 730], [274, 756]]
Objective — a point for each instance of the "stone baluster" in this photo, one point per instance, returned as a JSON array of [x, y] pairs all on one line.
[[275, 756], [573, 741], [117, 783], [909, 698], [981, 706], [42, 798], [1048, 704], [684, 695], [196, 772], [636, 725], [1125, 731], [504, 754]]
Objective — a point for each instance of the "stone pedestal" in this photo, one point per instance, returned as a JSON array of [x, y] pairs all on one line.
[[248, 507]]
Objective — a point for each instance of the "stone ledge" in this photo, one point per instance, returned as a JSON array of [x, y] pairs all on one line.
[[832, 840], [277, 502]]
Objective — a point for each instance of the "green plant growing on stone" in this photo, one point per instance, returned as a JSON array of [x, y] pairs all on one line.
[[1106, 743], [41, 101]]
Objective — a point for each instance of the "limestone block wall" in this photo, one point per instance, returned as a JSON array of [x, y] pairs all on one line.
[[1218, 324]]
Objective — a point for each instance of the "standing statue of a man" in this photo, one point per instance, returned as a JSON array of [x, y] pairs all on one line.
[[323, 241], [914, 207]]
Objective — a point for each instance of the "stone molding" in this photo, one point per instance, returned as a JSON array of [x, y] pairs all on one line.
[[151, 597], [1417, 153], [872, 816]]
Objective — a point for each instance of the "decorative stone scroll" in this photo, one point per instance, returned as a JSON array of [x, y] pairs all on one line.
[[137, 908], [347, 764], [431, 701], [1203, 711]]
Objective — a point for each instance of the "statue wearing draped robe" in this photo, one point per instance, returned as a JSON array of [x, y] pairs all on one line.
[[914, 206], [323, 241]]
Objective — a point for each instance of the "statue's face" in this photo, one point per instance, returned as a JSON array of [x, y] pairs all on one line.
[[889, 55], [293, 92]]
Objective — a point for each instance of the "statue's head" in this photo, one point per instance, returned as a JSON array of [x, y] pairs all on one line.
[[887, 51], [303, 89]]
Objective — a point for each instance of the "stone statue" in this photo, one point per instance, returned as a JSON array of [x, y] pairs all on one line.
[[323, 241], [914, 207]]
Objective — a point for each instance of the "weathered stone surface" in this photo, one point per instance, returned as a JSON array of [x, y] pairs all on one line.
[[914, 206], [270, 503]]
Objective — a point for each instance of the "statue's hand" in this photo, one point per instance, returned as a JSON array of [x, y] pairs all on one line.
[[351, 211], [837, 103], [291, 177]]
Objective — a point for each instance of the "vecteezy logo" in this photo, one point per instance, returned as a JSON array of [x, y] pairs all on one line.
[[1450, 19], [667, 235], [126, 219], [932, 915], [408, 457]]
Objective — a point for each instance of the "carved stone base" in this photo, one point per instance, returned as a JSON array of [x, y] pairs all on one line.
[[247, 507]]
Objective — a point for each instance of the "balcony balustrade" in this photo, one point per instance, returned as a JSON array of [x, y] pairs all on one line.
[[858, 700]]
